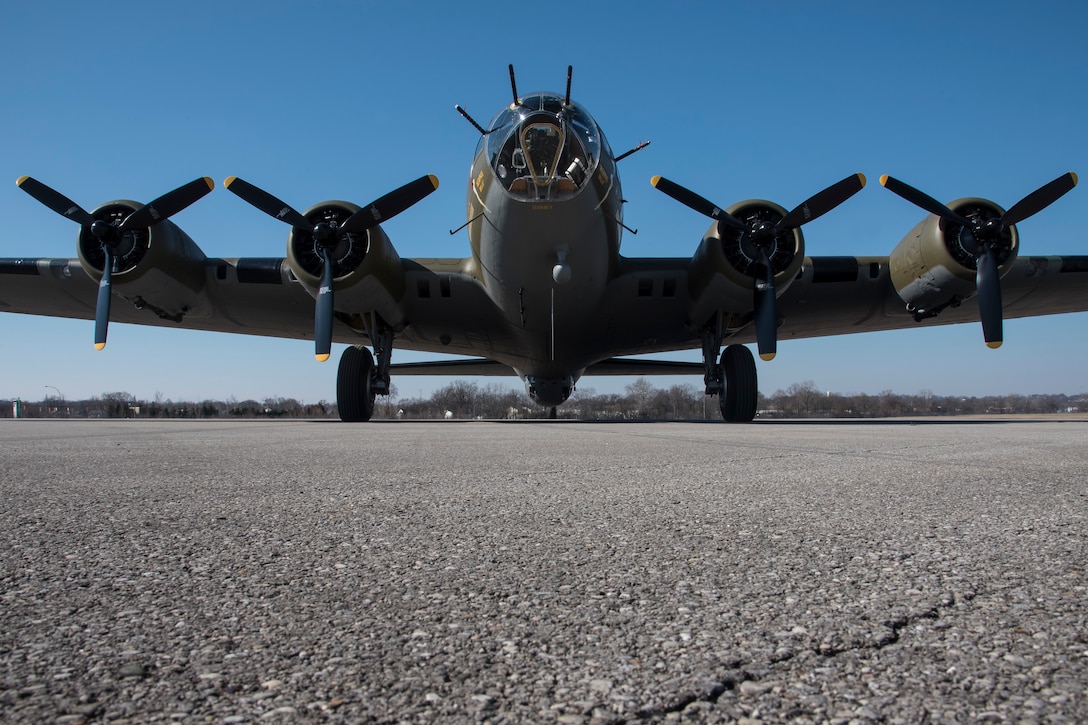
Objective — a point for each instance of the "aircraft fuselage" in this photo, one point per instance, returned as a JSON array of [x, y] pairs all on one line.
[[545, 207]]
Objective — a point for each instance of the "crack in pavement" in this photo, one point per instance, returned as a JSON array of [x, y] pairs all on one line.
[[713, 690]]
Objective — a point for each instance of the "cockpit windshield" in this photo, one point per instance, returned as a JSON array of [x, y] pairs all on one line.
[[543, 148]]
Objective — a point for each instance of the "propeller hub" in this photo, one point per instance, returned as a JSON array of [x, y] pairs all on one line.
[[324, 234], [984, 230], [754, 246], [102, 229], [990, 229], [763, 231], [756, 237]]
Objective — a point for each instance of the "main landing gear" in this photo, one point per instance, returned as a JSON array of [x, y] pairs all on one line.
[[732, 379], [359, 379], [355, 385], [739, 399]]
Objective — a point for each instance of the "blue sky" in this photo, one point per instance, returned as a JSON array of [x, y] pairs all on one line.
[[347, 100]]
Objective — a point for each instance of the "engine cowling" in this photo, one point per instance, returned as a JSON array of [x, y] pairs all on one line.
[[367, 272], [936, 264], [724, 268], [159, 267]]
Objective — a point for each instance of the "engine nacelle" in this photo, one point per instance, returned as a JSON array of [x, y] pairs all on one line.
[[723, 269], [158, 267], [367, 271], [934, 266]]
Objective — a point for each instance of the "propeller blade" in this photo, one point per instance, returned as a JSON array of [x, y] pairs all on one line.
[[55, 200], [323, 310], [168, 204], [988, 283], [267, 203], [765, 304], [102, 307], [390, 205], [696, 203], [1040, 199], [822, 202], [918, 198]]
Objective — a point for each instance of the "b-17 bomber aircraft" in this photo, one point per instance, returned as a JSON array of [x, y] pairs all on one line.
[[545, 293]]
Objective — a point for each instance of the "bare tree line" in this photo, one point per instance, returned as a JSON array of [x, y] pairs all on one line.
[[640, 400]]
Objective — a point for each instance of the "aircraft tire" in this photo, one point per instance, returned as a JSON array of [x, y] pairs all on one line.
[[741, 395], [354, 397]]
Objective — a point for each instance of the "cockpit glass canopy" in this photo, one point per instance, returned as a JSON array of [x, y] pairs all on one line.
[[543, 148]]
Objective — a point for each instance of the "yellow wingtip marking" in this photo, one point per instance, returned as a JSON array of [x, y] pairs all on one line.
[[228, 181], [322, 357], [884, 180], [20, 180], [654, 181], [994, 345], [100, 346], [767, 356]]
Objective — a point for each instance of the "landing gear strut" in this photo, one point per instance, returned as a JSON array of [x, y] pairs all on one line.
[[732, 378]]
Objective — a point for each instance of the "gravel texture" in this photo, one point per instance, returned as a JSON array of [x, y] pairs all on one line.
[[247, 572]]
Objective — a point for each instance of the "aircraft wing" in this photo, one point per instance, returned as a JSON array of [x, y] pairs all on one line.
[[261, 296], [842, 295], [254, 296], [831, 296], [649, 308]]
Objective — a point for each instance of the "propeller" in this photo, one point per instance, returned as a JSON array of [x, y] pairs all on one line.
[[761, 234], [986, 236], [110, 234], [326, 236]]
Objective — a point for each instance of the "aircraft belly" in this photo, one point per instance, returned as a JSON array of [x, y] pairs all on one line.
[[544, 311]]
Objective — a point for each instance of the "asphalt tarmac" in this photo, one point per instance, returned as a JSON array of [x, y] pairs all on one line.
[[543, 571]]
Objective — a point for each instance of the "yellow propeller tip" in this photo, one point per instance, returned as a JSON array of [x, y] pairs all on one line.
[[228, 181], [100, 346], [654, 181], [434, 180], [322, 357], [1076, 179], [862, 179], [20, 180], [210, 182], [994, 345], [767, 356], [883, 179]]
